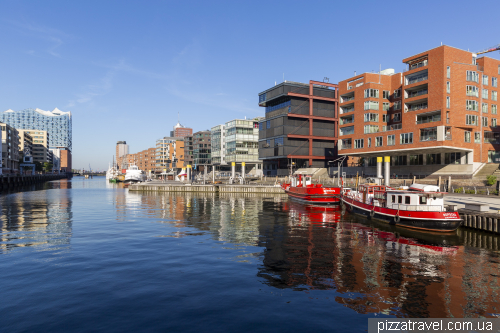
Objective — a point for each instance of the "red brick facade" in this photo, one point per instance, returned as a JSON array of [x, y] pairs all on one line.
[[438, 125]]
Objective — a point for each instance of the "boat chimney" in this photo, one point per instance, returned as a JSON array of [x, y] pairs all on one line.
[[387, 169], [379, 170]]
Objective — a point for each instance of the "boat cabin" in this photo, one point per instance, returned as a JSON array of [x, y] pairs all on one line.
[[418, 197], [301, 181]]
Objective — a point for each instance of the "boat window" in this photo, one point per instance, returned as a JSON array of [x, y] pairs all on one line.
[[423, 200], [400, 199], [407, 199], [393, 198]]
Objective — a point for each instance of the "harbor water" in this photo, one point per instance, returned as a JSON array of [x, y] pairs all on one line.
[[85, 255]]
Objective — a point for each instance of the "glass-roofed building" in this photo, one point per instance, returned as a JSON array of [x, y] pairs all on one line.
[[57, 123]]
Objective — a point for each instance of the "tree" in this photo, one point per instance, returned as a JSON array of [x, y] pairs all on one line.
[[47, 166]]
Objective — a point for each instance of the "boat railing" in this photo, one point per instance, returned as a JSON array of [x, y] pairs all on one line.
[[419, 208]]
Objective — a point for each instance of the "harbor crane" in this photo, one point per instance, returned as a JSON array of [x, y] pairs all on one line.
[[491, 49]]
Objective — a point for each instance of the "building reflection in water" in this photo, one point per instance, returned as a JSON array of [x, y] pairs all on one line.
[[371, 268], [39, 218]]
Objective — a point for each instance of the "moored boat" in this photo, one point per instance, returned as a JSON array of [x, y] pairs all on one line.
[[418, 206], [134, 174], [302, 189]]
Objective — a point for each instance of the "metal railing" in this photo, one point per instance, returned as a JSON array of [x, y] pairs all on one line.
[[417, 107], [417, 208], [347, 99], [417, 93], [417, 79]]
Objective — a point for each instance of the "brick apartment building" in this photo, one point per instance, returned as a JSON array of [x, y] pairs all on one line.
[[300, 126], [437, 117], [145, 160], [169, 154]]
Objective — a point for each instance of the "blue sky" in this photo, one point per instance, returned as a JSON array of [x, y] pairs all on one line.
[[125, 68]]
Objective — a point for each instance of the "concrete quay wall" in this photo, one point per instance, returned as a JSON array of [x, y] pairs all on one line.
[[10, 182], [206, 188]]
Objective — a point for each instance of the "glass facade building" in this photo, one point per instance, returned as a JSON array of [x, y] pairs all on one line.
[[57, 123]]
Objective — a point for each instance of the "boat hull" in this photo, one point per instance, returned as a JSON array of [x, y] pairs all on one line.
[[315, 195], [421, 220]]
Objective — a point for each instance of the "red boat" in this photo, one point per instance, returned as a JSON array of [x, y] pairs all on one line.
[[417, 207], [302, 190]]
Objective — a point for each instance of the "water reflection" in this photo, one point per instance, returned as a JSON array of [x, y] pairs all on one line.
[[42, 218], [371, 268]]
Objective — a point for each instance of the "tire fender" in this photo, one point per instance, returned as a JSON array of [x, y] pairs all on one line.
[[397, 219], [372, 213]]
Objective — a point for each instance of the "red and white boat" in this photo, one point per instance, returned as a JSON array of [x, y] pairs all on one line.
[[302, 189], [418, 206]]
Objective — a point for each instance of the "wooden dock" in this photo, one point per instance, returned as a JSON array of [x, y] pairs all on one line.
[[222, 189]]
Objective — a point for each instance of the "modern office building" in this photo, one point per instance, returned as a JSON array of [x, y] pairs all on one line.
[[121, 151], [40, 144], [218, 146], [169, 154], [57, 123], [242, 144], [201, 150], [300, 126], [437, 117], [10, 149]]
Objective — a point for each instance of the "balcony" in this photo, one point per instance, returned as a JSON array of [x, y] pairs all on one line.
[[417, 107], [344, 109], [416, 77], [347, 97], [418, 64], [389, 128], [347, 120], [416, 93]]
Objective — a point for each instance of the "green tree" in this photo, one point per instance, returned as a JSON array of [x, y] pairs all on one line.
[[47, 166], [491, 180]]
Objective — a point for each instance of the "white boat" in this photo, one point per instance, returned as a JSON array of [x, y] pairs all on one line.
[[134, 174], [112, 172]]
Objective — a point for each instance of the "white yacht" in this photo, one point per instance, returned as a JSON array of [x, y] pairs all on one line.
[[112, 172], [134, 174]]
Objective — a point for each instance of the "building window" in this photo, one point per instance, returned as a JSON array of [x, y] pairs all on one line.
[[447, 134], [397, 93], [485, 121], [416, 160], [371, 93], [448, 88], [494, 82], [428, 134], [346, 130], [386, 106], [452, 158], [485, 80], [369, 105], [378, 141], [371, 117], [471, 105], [386, 94], [405, 138], [396, 117], [493, 95], [472, 91], [485, 93], [399, 160], [493, 109], [358, 143], [471, 119], [448, 72], [371, 129], [369, 142], [494, 122], [397, 105], [391, 140], [472, 76], [484, 107], [428, 118], [385, 118], [477, 137], [467, 136], [448, 102], [268, 124], [433, 159]]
